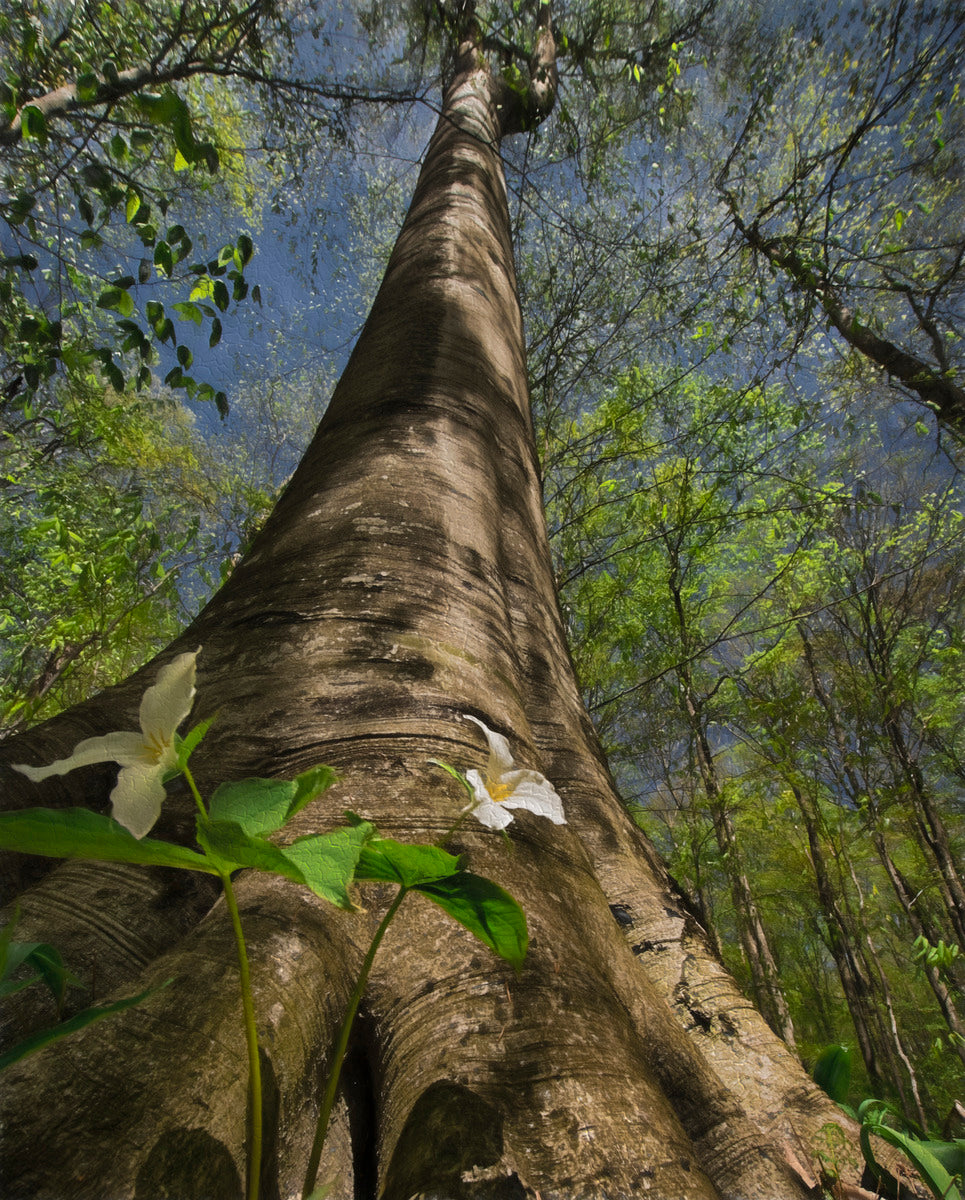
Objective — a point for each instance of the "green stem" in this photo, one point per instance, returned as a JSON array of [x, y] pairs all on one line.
[[251, 1038], [328, 1100], [194, 791]]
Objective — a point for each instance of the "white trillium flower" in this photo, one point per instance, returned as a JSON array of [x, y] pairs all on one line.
[[503, 786], [144, 757]]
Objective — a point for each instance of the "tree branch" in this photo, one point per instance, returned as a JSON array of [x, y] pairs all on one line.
[[938, 391]]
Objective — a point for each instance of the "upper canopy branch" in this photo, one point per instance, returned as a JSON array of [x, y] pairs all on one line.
[[522, 99], [936, 388]]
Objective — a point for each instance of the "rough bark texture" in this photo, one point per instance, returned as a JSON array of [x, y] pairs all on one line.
[[403, 580]]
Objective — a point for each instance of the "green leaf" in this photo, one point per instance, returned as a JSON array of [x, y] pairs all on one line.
[[87, 85], [48, 966], [33, 124], [203, 289], [309, 785], [117, 299], [220, 293], [328, 861], [132, 206], [86, 1017], [940, 1182], [229, 848], [80, 833], [264, 805], [456, 775], [486, 910], [163, 258], [832, 1072], [245, 248], [185, 746], [325, 863], [189, 312], [950, 1154], [411, 864]]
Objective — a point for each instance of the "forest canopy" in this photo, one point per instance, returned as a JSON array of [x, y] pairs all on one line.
[[741, 252]]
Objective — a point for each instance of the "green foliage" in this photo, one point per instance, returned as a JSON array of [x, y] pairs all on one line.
[[763, 649], [486, 910], [941, 956], [832, 1072], [118, 518], [80, 833], [478, 904], [78, 1021], [264, 805], [928, 1158], [400, 862], [43, 964], [91, 176], [91, 548]]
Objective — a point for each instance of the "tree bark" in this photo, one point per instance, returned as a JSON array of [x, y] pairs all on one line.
[[403, 580]]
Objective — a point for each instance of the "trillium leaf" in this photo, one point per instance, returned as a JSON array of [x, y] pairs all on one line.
[[80, 833], [486, 910], [308, 785], [325, 863], [85, 1017], [256, 805], [229, 847], [264, 805], [328, 861], [389, 861]]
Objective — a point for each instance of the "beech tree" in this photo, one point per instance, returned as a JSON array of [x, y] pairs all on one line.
[[402, 582]]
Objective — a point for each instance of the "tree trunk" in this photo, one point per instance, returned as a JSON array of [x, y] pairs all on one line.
[[403, 580]]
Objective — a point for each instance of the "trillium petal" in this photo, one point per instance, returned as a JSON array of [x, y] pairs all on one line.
[[537, 795], [165, 705], [138, 797], [487, 812], [123, 748], [500, 758]]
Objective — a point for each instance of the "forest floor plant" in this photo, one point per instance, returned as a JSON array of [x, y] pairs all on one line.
[[233, 832], [940, 1164]]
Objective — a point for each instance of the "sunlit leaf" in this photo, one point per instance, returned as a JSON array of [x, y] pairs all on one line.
[[80, 833], [486, 910]]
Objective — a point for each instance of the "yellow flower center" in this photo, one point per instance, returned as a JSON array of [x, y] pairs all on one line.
[[156, 747], [498, 791]]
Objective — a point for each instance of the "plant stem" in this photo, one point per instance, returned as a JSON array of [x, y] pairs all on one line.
[[328, 1100], [251, 1038], [248, 1007], [194, 791]]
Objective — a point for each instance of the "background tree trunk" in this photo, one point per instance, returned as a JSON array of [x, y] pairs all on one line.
[[403, 580]]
